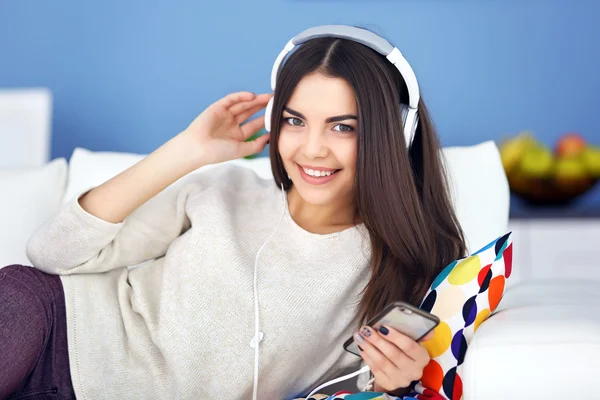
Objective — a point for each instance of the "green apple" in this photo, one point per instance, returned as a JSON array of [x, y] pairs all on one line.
[[570, 170], [513, 149], [591, 159], [537, 162]]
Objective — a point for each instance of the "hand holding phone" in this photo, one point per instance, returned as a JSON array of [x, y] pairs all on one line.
[[403, 317]]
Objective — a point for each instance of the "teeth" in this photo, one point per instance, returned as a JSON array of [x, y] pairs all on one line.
[[317, 173]]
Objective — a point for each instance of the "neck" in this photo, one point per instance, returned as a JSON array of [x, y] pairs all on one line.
[[321, 219]]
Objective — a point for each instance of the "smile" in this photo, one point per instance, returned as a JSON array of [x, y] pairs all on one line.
[[317, 175]]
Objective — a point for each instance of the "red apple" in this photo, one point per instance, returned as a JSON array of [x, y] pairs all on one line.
[[570, 145]]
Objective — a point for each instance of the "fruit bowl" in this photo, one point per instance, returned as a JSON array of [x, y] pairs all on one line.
[[543, 177], [548, 192]]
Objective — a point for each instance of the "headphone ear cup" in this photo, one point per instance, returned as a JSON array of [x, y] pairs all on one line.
[[268, 111]]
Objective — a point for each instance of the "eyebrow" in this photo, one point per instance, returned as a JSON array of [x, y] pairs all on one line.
[[337, 118]]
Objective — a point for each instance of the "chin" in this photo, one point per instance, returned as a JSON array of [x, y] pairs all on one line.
[[317, 197], [321, 195]]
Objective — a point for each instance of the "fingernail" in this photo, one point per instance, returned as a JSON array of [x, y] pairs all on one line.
[[359, 338], [360, 348], [366, 331], [384, 330]]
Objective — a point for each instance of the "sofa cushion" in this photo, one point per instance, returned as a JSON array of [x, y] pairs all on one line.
[[92, 168], [462, 296], [30, 195], [480, 191]]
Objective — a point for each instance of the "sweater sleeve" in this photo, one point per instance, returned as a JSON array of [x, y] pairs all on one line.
[[76, 242]]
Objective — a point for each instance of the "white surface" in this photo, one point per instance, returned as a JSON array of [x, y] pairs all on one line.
[[556, 248], [543, 343], [25, 123], [30, 195]]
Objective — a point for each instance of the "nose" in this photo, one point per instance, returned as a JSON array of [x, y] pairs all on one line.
[[315, 145]]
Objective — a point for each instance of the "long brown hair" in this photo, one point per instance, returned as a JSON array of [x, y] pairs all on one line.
[[401, 195]]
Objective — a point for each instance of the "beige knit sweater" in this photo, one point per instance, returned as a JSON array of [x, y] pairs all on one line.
[[179, 325]]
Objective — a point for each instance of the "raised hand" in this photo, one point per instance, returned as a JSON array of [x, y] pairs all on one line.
[[221, 130]]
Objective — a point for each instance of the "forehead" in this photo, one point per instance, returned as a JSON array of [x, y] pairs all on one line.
[[320, 96]]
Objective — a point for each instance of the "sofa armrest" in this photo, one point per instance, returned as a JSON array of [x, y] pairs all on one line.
[[542, 342]]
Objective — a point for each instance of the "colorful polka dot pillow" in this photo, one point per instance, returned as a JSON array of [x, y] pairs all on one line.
[[463, 295]]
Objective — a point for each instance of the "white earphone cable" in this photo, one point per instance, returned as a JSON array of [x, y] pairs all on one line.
[[340, 379], [258, 336]]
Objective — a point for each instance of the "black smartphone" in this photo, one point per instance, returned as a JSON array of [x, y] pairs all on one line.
[[405, 318]]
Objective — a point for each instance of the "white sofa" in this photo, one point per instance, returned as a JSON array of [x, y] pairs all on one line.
[[543, 342]]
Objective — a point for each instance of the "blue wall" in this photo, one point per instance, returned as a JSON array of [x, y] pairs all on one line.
[[128, 75]]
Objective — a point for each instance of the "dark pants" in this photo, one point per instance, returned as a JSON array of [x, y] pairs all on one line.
[[34, 358]]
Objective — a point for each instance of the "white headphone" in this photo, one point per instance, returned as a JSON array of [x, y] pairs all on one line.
[[377, 43]]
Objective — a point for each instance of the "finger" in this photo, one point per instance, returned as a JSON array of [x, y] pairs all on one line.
[[234, 98], [411, 348], [253, 126], [386, 347], [240, 118], [251, 147], [241, 107], [379, 361], [380, 376]]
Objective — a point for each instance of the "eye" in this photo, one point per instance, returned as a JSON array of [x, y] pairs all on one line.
[[294, 121], [343, 128]]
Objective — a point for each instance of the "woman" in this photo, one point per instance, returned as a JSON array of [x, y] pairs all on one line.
[[356, 218]]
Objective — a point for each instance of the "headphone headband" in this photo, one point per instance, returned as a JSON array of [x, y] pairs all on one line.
[[359, 35], [368, 39]]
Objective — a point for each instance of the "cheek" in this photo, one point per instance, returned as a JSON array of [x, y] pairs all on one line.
[[287, 146], [346, 154]]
